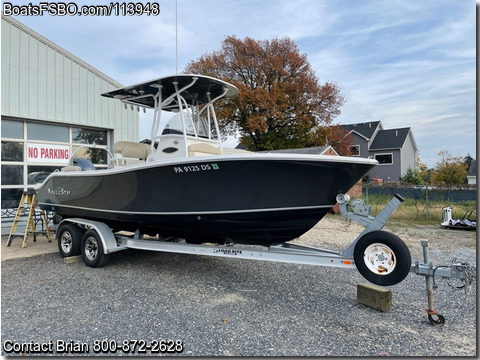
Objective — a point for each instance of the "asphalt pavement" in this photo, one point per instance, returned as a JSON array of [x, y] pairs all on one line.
[[149, 303]]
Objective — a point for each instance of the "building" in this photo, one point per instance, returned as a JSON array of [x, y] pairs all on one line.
[[472, 173], [394, 149], [51, 108]]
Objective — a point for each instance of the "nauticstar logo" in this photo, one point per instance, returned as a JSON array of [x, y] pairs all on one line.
[[58, 191]]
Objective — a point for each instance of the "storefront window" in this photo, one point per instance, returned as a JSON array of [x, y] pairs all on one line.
[[12, 174], [89, 136], [33, 150], [36, 174], [97, 156], [12, 129], [12, 151], [47, 132], [10, 200]]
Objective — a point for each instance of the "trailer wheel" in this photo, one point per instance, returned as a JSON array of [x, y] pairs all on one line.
[[69, 238], [92, 250], [382, 258]]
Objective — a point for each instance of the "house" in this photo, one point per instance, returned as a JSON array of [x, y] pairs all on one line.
[[472, 173], [394, 149], [316, 150]]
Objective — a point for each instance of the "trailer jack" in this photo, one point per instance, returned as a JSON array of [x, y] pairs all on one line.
[[462, 271]]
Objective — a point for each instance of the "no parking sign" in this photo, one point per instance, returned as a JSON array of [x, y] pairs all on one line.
[[47, 153]]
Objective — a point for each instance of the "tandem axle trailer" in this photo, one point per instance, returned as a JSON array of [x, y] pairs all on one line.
[[380, 257]]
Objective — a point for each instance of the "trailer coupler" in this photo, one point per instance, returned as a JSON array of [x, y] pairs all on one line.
[[461, 271]]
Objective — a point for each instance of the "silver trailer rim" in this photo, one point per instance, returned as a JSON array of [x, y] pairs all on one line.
[[91, 248], [66, 242], [379, 259]]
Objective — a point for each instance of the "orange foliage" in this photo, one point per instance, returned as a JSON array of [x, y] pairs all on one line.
[[281, 103]]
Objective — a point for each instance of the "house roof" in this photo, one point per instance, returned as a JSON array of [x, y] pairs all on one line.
[[390, 139], [366, 129], [316, 150], [472, 171]]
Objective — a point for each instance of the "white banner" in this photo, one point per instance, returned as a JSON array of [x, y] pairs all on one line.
[[48, 153]]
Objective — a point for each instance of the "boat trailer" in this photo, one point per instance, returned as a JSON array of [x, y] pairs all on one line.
[[379, 256]]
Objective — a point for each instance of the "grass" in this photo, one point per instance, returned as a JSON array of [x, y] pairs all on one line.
[[414, 211]]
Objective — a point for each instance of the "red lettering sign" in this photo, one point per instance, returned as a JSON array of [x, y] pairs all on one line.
[[48, 153]]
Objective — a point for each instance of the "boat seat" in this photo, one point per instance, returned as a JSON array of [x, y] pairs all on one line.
[[71, 168], [202, 149], [133, 150]]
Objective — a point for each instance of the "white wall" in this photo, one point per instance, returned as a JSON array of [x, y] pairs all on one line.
[[42, 81]]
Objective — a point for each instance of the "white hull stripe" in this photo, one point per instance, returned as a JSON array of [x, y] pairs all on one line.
[[190, 212]]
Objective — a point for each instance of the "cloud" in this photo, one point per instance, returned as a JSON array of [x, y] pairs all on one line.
[[405, 63]]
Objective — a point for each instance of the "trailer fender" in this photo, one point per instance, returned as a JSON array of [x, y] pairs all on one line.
[[105, 234]]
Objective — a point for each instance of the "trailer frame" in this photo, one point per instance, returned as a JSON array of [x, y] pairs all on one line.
[[388, 260]]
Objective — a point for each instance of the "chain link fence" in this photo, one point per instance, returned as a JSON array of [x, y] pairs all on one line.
[[425, 200]]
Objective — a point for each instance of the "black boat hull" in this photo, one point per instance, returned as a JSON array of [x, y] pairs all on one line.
[[262, 200]]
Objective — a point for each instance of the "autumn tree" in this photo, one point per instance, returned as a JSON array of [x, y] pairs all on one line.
[[449, 170], [341, 140], [424, 172], [281, 103]]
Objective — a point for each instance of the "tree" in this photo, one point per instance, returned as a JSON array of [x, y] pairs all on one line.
[[341, 140], [449, 170], [467, 160], [281, 103], [423, 171], [411, 177]]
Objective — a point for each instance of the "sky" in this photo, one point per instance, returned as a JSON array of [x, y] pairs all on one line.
[[406, 63]]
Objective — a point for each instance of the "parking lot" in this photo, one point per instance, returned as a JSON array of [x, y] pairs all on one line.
[[222, 307]]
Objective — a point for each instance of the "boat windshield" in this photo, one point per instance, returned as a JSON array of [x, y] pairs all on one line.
[[195, 125]]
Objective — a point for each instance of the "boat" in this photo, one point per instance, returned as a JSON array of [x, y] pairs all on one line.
[[186, 184], [467, 222]]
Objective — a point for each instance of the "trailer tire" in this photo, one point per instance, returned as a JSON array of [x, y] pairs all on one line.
[[69, 238], [382, 258], [92, 250]]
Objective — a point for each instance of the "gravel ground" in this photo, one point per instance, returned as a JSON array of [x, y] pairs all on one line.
[[233, 307]]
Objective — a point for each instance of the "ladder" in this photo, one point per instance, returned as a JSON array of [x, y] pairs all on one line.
[[28, 201]]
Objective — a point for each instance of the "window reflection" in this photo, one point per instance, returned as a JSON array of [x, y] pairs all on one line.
[[47, 132], [12, 174], [12, 129], [10, 200], [89, 136], [97, 156], [36, 174], [12, 151]]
